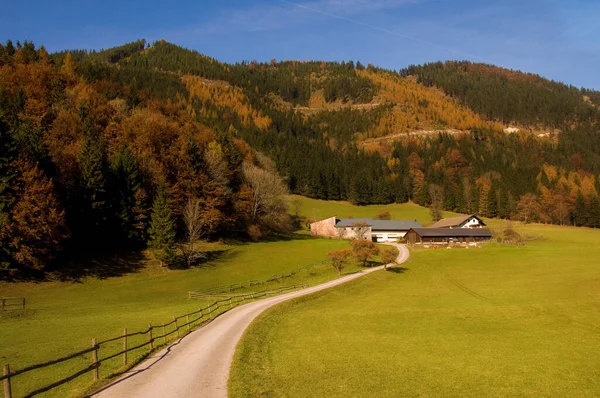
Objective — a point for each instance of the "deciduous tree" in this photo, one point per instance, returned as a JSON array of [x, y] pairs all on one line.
[[339, 259], [364, 250]]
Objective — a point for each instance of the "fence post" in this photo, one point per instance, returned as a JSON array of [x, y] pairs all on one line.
[[210, 312], [6, 372], [164, 335], [124, 346], [3, 304], [176, 327], [187, 319], [24, 299], [150, 339], [95, 371]]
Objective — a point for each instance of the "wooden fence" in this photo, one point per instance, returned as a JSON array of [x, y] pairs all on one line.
[[221, 290], [180, 325], [12, 303]]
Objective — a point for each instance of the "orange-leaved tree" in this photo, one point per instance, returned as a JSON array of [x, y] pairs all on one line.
[[339, 259], [364, 250]]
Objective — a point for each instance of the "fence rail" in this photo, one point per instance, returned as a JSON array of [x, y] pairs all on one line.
[[12, 303], [222, 290], [193, 320]]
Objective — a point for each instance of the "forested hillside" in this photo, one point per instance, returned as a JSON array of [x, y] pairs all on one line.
[[119, 148], [508, 96]]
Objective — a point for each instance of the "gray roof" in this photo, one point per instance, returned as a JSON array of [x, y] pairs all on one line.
[[453, 233], [380, 225]]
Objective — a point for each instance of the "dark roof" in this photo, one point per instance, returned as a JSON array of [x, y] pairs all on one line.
[[454, 221], [380, 225], [348, 222], [452, 233]]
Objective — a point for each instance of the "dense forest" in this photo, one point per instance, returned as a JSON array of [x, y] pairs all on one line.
[[510, 96], [155, 145]]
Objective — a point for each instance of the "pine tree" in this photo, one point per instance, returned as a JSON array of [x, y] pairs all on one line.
[[130, 199], [93, 181], [581, 212], [7, 189], [492, 204], [162, 229]]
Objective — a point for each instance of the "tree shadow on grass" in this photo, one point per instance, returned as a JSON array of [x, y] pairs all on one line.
[[207, 259], [99, 265], [397, 270]]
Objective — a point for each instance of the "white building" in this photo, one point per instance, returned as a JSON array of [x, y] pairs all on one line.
[[363, 228]]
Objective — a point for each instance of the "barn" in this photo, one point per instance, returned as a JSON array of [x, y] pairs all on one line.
[[363, 228], [447, 235]]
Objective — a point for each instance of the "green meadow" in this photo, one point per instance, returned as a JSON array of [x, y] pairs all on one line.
[[315, 209], [497, 321], [62, 316]]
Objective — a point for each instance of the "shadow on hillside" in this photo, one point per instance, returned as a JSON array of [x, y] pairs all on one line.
[[397, 270], [205, 259], [99, 265]]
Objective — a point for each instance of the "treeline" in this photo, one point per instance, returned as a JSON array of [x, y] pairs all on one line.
[[509, 96], [506, 176], [83, 166]]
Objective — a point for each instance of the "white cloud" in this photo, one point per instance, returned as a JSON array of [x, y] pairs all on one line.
[[283, 14]]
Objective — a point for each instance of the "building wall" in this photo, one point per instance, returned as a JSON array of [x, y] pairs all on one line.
[[414, 238], [354, 232], [324, 228], [388, 236]]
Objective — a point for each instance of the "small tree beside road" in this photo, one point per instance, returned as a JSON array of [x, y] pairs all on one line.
[[364, 250], [389, 256], [339, 259]]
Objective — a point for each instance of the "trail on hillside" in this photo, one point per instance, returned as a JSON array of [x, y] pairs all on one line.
[[198, 365]]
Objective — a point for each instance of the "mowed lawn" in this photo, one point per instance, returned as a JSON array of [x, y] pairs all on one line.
[[63, 317], [500, 321]]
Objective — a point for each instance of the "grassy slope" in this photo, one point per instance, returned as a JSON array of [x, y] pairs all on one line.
[[62, 317], [497, 321], [319, 209]]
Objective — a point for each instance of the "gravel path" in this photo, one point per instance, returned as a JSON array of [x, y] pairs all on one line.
[[198, 365]]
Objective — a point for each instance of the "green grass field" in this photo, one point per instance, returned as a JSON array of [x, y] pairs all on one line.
[[63, 317], [500, 321], [315, 209]]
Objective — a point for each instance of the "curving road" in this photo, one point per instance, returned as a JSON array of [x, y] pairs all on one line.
[[198, 365]]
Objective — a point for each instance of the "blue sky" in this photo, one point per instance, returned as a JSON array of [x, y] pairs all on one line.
[[559, 39]]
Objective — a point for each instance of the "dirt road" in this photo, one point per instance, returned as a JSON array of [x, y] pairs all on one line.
[[198, 364]]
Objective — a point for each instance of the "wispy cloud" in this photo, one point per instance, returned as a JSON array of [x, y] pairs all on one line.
[[283, 14]]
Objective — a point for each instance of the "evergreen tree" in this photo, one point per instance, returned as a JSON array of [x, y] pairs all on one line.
[[594, 213], [7, 189], [162, 229], [581, 211], [492, 203], [130, 197], [93, 181]]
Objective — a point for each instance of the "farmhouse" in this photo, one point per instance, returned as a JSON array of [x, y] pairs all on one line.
[[470, 221], [447, 235], [363, 228]]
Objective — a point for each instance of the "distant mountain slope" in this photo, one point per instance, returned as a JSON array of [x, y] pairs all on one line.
[[510, 96], [105, 130]]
